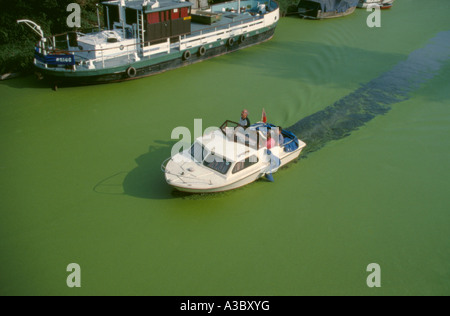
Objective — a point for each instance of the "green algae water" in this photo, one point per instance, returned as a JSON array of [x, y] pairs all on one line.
[[81, 181]]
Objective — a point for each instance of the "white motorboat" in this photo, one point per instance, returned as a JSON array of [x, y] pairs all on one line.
[[230, 158]]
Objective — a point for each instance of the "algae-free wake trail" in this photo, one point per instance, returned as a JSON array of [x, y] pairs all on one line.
[[374, 98]]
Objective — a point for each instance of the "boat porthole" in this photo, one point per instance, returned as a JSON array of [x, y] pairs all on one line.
[[230, 41], [186, 55], [242, 39], [131, 72], [121, 47], [202, 51]]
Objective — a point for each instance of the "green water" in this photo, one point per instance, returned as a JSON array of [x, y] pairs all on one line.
[[80, 179]]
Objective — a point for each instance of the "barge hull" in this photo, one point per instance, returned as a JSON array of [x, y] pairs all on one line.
[[327, 15]]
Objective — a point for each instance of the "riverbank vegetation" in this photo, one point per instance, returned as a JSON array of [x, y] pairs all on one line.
[[17, 40]]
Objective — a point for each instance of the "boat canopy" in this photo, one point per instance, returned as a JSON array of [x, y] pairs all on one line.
[[333, 5], [291, 143]]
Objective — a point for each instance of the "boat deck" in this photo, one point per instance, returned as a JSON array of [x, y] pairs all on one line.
[[228, 20]]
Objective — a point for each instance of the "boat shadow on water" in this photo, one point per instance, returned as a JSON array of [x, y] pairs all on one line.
[[27, 81], [147, 181]]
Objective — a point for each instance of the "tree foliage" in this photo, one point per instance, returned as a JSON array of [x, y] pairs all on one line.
[[17, 41]]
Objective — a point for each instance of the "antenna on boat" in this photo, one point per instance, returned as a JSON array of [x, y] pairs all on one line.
[[36, 28], [122, 15], [98, 18]]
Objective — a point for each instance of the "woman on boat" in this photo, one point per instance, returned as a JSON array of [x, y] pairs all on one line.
[[270, 142]]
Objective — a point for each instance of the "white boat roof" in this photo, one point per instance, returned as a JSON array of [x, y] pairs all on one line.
[[220, 145], [101, 38]]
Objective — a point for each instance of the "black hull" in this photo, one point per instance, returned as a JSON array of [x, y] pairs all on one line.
[[151, 70]]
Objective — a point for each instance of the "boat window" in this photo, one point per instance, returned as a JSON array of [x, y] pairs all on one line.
[[218, 164], [244, 164], [198, 152]]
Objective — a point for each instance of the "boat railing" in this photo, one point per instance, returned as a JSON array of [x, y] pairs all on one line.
[[270, 3], [164, 164], [185, 174], [224, 26]]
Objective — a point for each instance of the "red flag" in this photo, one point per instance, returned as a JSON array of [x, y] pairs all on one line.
[[264, 116]]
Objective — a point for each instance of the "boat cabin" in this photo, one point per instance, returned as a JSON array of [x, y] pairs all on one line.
[[152, 20]]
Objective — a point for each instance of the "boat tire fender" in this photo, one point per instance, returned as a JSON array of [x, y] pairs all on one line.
[[202, 51], [242, 38], [131, 72], [186, 55], [230, 41]]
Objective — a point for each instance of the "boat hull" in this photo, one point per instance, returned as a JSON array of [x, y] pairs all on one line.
[[286, 159], [327, 15], [170, 62], [236, 185]]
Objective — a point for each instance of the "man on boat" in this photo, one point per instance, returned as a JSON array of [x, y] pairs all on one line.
[[281, 137], [245, 121]]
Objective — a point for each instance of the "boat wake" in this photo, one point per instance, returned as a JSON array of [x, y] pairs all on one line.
[[374, 98]]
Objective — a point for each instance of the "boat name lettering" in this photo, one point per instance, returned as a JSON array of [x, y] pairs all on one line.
[[63, 59]]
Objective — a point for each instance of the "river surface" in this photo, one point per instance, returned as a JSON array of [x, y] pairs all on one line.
[[81, 182]]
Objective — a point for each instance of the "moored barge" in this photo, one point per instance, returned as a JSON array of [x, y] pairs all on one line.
[[326, 9], [143, 38]]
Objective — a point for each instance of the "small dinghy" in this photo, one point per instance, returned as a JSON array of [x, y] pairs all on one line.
[[326, 9], [387, 5], [231, 157]]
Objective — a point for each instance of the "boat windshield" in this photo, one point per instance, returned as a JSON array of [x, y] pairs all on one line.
[[218, 164], [198, 152], [238, 134], [229, 124]]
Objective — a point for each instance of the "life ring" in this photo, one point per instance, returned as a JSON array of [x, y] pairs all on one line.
[[242, 38], [131, 72], [202, 51], [230, 41], [186, 55]]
